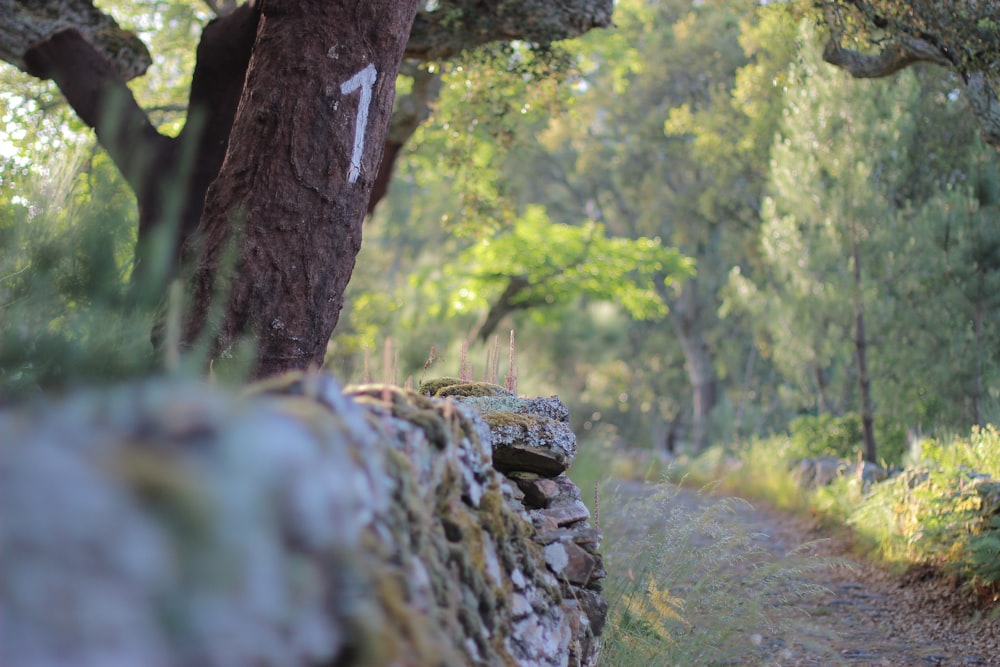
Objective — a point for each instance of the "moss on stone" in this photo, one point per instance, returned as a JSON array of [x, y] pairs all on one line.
[[472, 389], [501, 419], [409, 406], [431, 387], [167, 488]]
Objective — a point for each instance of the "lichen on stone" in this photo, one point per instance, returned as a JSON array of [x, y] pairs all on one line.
[[530, 443]]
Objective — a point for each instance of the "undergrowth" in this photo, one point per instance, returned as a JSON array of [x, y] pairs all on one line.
[[943, 507]]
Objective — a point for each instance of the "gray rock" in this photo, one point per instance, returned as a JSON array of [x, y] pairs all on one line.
[[530, 443], [164, 524]]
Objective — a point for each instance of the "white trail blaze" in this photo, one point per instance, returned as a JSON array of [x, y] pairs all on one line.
[[363, 80]]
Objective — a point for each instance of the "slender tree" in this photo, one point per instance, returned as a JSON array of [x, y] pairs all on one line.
[[824, 228]]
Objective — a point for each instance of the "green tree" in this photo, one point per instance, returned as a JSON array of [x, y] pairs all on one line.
[[878, 194], [940, 308], [657, 143], [836, 168], [538, 264]]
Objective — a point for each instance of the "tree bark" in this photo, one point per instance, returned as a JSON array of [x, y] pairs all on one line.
[[302, 159], [28, 22], [284, 173]]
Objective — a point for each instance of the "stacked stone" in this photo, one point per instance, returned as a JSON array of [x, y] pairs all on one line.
[[533, 447], [164, 523]]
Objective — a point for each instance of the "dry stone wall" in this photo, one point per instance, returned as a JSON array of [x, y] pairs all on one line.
[[173, 524]]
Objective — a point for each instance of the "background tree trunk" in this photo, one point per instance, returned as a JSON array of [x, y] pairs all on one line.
[[861, 346], [686, 314], [294, 188]]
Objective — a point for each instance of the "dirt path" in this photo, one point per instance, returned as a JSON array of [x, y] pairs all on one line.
[[866, 616]]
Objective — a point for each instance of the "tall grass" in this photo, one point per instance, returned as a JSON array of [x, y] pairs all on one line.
[[67, 237]]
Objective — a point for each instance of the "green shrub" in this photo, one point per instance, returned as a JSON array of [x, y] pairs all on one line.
[[934, 512], [843, 437]]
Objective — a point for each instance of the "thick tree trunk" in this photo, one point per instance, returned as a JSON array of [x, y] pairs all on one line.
[[295, 193], [303, 157]]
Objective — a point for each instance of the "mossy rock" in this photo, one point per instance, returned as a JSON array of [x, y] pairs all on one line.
[[431, 387], [407, 405], [444, 387], [530, 443]]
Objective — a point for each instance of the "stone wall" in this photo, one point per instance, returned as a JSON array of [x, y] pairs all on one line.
[[173, 524]]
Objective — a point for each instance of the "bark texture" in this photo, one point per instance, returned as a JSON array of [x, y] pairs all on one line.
[[27, 22], [687, 316], [287, 182], [458, 25]]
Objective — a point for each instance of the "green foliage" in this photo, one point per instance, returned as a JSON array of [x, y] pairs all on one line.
[[562, 262], [826, 435], [936, 511], [981, 558], [943, 508], [491, 99], [66, 254]]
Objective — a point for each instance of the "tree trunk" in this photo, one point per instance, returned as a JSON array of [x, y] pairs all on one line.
[[698, 362], [861, 346], [292, 193]]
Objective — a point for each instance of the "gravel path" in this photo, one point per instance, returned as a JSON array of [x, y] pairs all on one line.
[[867, 616]]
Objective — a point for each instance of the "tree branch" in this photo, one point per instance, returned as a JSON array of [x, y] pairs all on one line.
[[30, 23], [98, 94], [901, 54], [504, 305], [459, 25]]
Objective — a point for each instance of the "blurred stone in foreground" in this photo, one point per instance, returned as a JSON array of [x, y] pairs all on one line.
[[173, 524]]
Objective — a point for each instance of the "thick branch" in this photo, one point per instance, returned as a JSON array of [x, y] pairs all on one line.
[[25, 24], [216, 85], [506, 304], [459, 25], [901, 54], [959, 38], [98, 94]]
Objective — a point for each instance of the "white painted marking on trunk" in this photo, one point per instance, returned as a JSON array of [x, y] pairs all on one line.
[[363, 80]]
